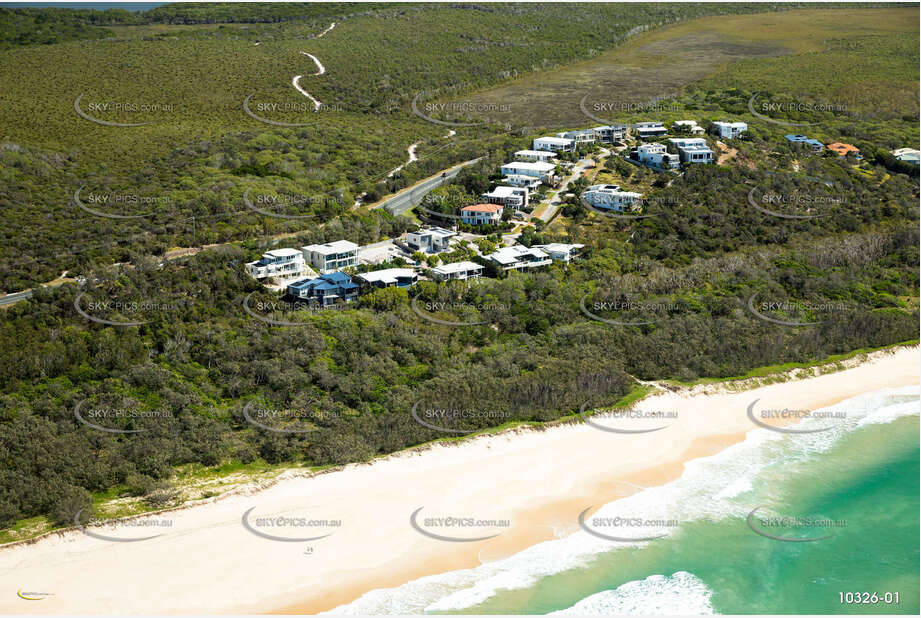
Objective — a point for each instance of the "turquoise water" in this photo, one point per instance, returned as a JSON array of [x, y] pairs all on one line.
[[861, 475]]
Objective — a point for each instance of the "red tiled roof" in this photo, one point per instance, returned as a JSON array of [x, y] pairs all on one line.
[[482, 208]]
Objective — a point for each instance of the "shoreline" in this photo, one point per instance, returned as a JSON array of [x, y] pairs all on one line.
[[538, 479]]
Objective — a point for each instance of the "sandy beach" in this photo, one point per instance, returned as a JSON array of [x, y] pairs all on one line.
[[206, 560]]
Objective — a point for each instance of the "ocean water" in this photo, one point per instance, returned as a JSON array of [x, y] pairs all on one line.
[[859, 478]]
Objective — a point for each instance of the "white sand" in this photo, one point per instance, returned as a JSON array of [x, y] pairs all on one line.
[[208, 562]]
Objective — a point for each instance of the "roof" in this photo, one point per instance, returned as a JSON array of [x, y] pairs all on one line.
[[457, 267], [536, 166], [686, 123], [610, 127], [482, 208], [730, 123], [388, 275], [282, 253], [535, 153], [906, 151], [510, 255], [338, 246], [649, 124], [559, 247], [553, 140], [843, 149], [505, 191], [435, 231], [604, 188], [802, 139], [329, 281]]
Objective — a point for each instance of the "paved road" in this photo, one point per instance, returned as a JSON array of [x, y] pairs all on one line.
[[412, 196], [577, 171], [9, 299]]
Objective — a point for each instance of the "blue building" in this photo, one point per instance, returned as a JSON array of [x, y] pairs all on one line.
[[326, 289], [814, 144]]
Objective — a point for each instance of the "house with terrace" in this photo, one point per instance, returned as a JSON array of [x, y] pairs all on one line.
[[646, 130], [813, 144], [519, 257], [730, 130], [331, 256], [610, 197], [554, 144], [277, 263], [560, 252], [510, 197], [527, 182], [457, 271], [657, 155], [608, 134], [325, 290], [583, 137], [481, 214], [692, 149], [543, 156], [430, 240], [535, 169], [908, 155], [688, 126], [389, 277]]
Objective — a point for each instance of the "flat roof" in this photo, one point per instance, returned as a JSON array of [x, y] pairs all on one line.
[[553, 139], [435, 231], [505, 191], [337, 246], [387, 275], [282, 252], [456, 267], [535, 153], [537, 166]]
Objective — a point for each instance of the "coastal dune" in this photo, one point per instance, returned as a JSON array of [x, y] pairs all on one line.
[[242, 553]]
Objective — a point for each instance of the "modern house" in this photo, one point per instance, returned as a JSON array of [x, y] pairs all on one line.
[[645, 130], [610, 197], [389, 277], [510, 197], [842, 150], [583, 137], [518, 257], [690, 126], [657, 155], [430, 240], [692, 149], [909, 155], [554, 144], [277, 263], [332, 255], [481, 214], [544, 156], [609, 134], [814, 144], [730, 130], [457, 271], [560, 252], [528, 182], [541, 171], [325, 290]]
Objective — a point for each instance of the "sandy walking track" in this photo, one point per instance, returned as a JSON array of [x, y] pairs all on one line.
[[207, 561], [295, 81]]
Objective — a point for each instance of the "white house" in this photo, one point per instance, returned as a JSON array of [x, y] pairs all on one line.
[[554, 144], [511, 197], [544, 156], [457, 271], [430, 239], [610, 197], [277, 263], [645, 130], [528, 182], [582, 137], [518, 256], [399, 277], [332, 255], [909, 155], [730, 130], [691, 126], [560, 252], [658, 155], [608, 134], [481, 214], [692, 149], [535, 169]]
